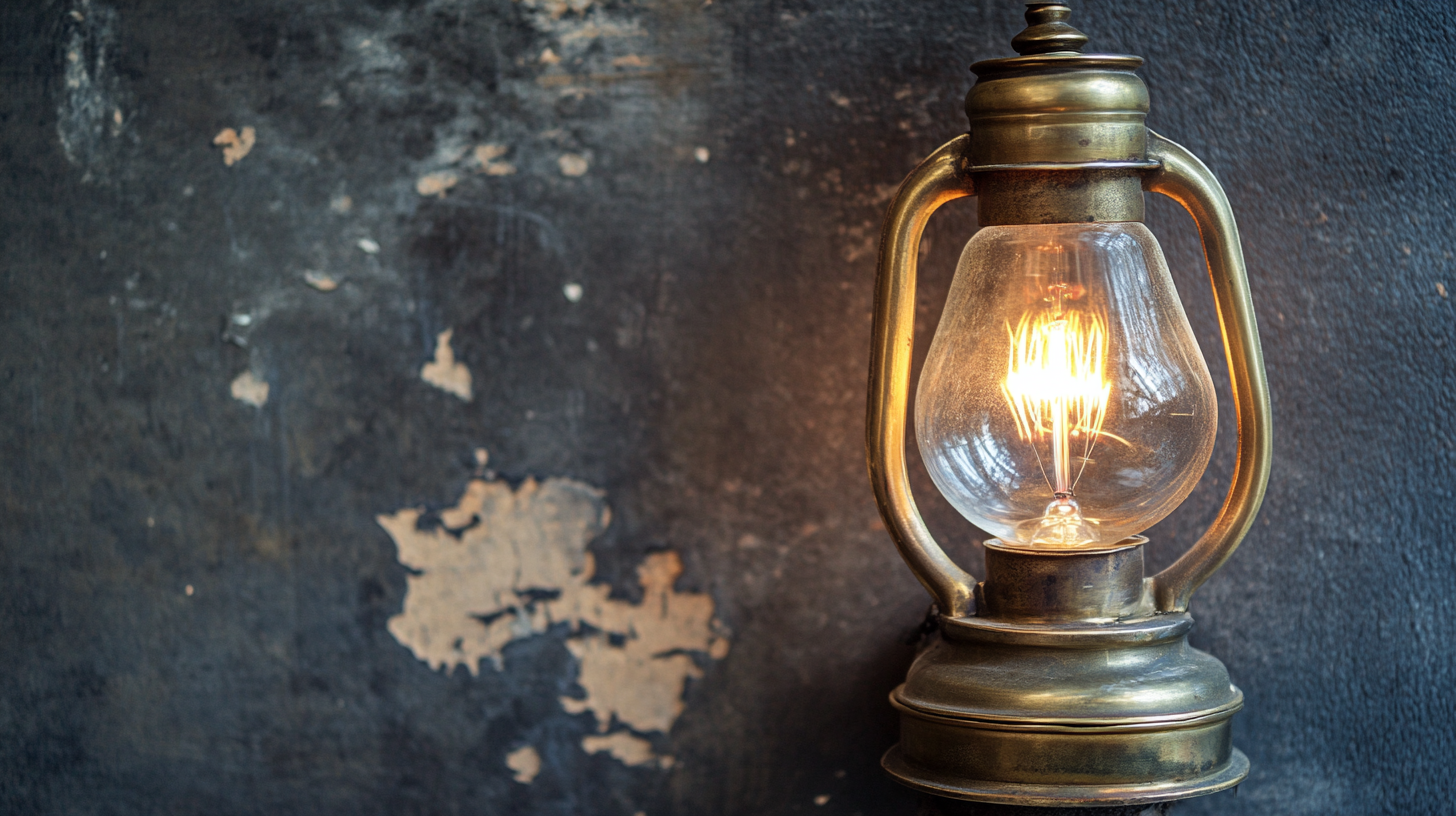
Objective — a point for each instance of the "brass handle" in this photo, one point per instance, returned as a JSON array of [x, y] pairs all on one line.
[[938, 179], [1186, 180]]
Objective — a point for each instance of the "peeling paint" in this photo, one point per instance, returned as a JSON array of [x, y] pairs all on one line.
[[321, 281], [488, 157], [557, 8], [435, 184], [506, 564], [235, 145], [573, 164], [625, 748], [444, 372], [526, 762], [247, 387], [640, 681]]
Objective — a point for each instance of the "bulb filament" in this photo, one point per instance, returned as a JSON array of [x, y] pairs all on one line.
[[1058, 393]]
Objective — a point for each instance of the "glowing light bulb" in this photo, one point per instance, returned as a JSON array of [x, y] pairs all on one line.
[[1065, 402], [1058, 394]]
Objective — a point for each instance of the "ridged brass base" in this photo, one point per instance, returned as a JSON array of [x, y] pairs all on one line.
[[1067, 690], [1013, 793]]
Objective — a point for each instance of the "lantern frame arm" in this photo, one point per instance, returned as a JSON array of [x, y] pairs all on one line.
[[941, 178], [1185, 179]]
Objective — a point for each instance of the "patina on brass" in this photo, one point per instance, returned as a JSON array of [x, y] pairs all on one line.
[[1065, 677]]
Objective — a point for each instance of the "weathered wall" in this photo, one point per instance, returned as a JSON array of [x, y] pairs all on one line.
[[648, 227]]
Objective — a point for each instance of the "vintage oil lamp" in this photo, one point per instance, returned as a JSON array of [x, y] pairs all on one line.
[[1064, 407]]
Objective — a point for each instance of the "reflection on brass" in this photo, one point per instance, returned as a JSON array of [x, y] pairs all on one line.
[[1069, 688], [1023, 196], [938, 179], [1065, 677], [1185, 179]]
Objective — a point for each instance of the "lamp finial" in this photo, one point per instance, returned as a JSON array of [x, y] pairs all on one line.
[[1047, 30]]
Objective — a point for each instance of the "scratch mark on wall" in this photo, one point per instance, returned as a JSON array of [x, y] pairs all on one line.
[[526, 762], [235, 145], [506, 564], [444, 372], [247, 387], [88, 109]]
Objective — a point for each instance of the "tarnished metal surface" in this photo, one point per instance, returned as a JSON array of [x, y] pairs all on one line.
[[1077, 694], [1186, 180], [939, 179], [710, 378]]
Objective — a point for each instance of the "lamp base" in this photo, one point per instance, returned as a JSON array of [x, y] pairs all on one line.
[[1068, 690], [1013, 793]]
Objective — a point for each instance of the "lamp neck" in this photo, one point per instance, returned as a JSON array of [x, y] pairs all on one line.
[[1057, 136], [1028, 585]]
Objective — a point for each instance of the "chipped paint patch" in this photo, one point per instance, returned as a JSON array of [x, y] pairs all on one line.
[[526, 763], [444, 372], [488, 157], [247, 387], [435, 184], [557, 8], [503, 564], [573, 164], [235, 145], [625, 748], [640, 681], [321, 281]]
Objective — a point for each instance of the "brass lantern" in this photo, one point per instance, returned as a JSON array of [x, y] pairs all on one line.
[[1064, 407]]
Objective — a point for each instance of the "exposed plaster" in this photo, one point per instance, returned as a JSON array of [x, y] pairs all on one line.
[[626, 749], [506, 564], [247, 387], [437, 183], [444, 372], [235, 145], [526, 762], [573, 164]]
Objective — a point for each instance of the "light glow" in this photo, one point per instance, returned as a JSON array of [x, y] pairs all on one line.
[[1058, 393]]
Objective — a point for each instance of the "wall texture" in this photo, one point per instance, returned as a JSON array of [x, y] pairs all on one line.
[[274, 542]]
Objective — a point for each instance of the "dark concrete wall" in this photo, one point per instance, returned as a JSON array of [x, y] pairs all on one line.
[[710, 379]]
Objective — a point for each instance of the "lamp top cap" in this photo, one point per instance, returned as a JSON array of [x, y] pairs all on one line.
[[1047, 30], [1053, 105], [1051, 44]]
